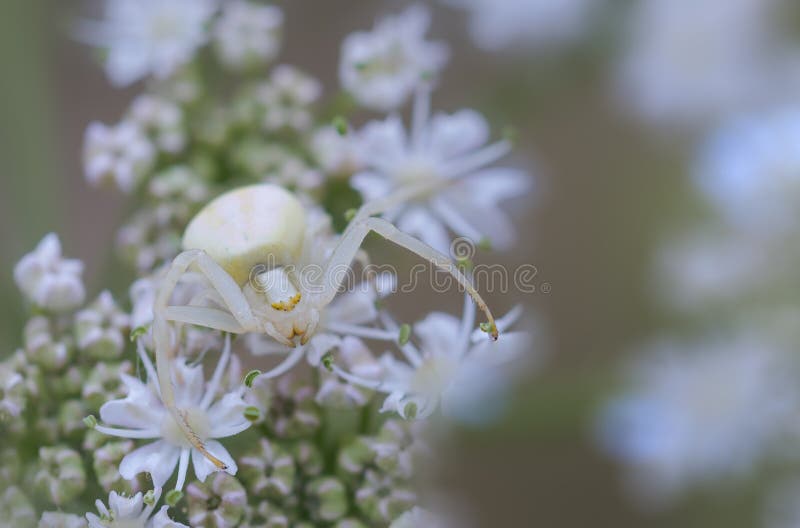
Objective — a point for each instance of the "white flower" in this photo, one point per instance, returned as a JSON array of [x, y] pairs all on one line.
[[286, 99], [688, 61], [337, 154], [47, 279], [12, 392], [750, 171], [534, 24], [445, 159], [700, 412], [456, 367], [131, 512], [381, 68], [161, 119], [148, 37], [142, 414], [247, 34], [116, 155]]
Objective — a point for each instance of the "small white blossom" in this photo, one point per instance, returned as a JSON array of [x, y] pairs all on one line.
[[445, 158], [247, 34], [131, 512], [12, 392], [142, 414], [161, 119], [456, 367], [382, 67], [337, 154], [700, 412], [101, 328], [286, 99], [47, 279], [116, 155], [148, 37], [533, 24]]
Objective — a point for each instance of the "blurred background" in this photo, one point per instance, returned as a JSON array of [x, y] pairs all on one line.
[[614, 152]]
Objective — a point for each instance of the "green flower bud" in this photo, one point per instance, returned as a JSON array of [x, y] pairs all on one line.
[[103, 383], [46, 344], [100, 328], [354, 458], [70, 420], [60, 476], [349, 523], [382, 498], [106, 460], [326, 499], [308, 458], [267, 470], [218, 503]]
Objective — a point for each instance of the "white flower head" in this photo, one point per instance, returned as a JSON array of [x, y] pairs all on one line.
[[142, 414], [444, 160], [286, 99], [131, 512], [382, 67], [117, 156], [247, 34], [148, 37], [455, 367], [48, 280], [533, 24], [700, 412], [12, 392]]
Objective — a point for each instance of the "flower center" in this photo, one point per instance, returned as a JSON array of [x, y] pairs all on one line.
[[196, 418], [416, 172]]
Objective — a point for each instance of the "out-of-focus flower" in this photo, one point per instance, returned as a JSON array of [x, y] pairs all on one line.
[[382, 67], [117, 156], [750, 171], [131, 512], [60, 476], [47, 279], [275, 163], [689, 61], [286, 99], [142, 414], [444, 162], [268, 470], [53, 519], [16, 509], [247, 34], [101, 328], [533, 24], [337, 154], [455, 366], [699, 412], [12, 393], [218, 503], [148, 37], [415, 517], [161, 119], [106, 460]]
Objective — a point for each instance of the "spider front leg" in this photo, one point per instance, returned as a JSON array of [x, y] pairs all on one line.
[[351, 241], [240, 319]]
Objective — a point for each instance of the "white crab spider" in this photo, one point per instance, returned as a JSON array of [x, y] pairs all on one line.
[[248, 243]]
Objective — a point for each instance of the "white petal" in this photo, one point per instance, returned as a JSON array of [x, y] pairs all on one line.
[[158, 458], [140, 409], [438, 333], [204, 467], [419, 222], [353, 307], [227, 416], [458, 133]]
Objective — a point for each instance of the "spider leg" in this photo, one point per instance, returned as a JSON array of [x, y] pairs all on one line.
[[234, 299], [351, 241]]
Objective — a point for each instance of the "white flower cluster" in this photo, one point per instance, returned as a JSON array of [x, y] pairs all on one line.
[[153, 420]]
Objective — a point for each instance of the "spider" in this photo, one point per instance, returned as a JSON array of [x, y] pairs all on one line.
[[269, 274]]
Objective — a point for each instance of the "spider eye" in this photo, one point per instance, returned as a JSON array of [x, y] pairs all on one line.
[[279, 288]]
